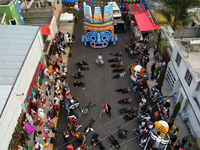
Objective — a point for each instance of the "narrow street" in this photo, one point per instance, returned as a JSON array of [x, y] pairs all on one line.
[[100, 88]]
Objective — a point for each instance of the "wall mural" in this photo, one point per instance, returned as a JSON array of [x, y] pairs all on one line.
[[37, 80]]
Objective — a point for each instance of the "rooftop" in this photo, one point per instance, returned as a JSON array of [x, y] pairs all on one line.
[[15, 42], [1, 17], [191, 55], [5, 2]]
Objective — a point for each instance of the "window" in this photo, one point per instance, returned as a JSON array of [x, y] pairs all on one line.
[[13, 22], [170, 79], [188, 77], [178, 59], [21, 15]]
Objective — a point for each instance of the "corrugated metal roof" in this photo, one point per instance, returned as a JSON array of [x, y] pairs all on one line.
[[15, 42]]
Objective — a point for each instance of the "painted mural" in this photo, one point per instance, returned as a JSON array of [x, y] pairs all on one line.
[[97, 15], [36, 81], [87, 13], [108, 13]]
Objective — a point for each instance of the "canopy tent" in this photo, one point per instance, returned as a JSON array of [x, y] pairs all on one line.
[[69, 1], [144, 22], [45, 29], [142, 17], [136, 8], [66, 17]]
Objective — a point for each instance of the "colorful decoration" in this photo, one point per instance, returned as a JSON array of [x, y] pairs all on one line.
[[98, 32], [97, 15], [36, 81], [159, 135]]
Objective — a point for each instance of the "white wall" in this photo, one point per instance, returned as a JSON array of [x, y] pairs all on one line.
[[13, 108], [187, 91]]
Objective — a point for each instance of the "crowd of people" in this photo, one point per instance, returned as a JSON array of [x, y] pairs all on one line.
[[57, 87]]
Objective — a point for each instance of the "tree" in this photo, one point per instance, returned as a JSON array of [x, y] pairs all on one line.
[[159, 44], [175, 112], [177, 14], [161, 79]]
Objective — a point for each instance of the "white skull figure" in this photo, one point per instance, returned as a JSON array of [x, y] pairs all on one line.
[[136, 71]]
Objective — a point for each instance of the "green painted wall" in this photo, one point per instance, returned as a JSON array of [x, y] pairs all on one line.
[[10, 13]]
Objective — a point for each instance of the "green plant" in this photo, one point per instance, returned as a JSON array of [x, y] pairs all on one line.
[[177, 14], [161, 79], [175, 112], [162, 46], [158, 69]]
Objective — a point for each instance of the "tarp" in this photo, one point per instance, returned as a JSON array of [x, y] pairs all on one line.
[[69, 1], [66, 17], [136, 8], [45, 29], [144, 22]]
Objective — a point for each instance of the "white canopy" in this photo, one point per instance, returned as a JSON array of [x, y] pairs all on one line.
[[66, 17]]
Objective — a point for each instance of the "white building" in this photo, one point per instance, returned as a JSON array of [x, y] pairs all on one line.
[[183, 77], [21, 49]]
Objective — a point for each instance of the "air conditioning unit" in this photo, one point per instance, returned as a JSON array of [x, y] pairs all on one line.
[[194, 42]]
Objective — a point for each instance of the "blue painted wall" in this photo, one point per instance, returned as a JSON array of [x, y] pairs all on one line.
[[145, 4], [19, 12]]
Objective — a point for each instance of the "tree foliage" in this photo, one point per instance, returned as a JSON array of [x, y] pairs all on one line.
[[162, 46], [175, 112], [161, 79], [176, 12]]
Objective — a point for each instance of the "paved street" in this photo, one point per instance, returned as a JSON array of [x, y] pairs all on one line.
[[99, 89]]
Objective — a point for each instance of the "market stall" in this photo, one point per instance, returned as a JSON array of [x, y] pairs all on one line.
[[141, 20]]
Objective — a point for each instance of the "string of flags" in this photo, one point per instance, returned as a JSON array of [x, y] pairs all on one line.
[[121, 5]]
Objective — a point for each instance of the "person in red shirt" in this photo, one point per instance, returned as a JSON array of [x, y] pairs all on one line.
[[107, 109], [70, 147]]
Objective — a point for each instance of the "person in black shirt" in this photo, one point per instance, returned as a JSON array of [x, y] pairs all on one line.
[[76, 83], [114, 142]]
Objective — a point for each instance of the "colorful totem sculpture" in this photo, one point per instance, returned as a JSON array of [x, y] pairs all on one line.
[[98, 32], [158, 137]]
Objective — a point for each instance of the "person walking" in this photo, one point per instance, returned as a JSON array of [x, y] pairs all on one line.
[[177, 145], [184, 141]]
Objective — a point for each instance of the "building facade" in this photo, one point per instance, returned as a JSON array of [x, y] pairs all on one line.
[[12, 12], [22, 70], [183, 77]]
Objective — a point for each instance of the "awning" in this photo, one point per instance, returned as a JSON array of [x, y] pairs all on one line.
[[69, 1], [66, 17], [45, 29], [144, 22], [136, 8]]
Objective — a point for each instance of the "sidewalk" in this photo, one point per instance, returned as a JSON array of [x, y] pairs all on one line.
[[183, 127], [64, 27]]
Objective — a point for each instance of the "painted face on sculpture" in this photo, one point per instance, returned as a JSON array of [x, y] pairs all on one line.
[[137, 70], [99, 39]]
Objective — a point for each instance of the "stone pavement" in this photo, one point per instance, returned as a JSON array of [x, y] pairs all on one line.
[[183, 127]]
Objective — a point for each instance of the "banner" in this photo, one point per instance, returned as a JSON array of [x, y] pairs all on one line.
[[87, 13], [97, 15], [108, 13]]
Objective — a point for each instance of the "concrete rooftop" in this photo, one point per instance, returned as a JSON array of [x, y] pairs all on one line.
[[191, 58]]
